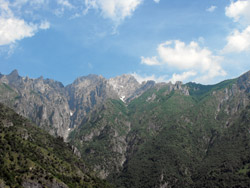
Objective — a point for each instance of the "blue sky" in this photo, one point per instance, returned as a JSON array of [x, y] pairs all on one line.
[[164, 40]]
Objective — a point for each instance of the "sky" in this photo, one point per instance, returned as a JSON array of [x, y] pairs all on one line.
[[162, 40]]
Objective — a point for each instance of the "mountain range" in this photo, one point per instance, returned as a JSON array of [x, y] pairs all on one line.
[[144, 134], [59, 109]]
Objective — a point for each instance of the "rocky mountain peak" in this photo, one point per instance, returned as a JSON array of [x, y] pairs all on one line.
[[125, 85], [244, 81], [14, 73], [13, 76]]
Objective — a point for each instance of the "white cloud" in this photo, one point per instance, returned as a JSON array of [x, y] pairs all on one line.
[[13, 29], [178, 54], [156, 1], [238, 41], [4, 9], [239, 10], [182, 77], [65, 3], [211, 9], [214, 72], [150, 61], [143, 78], [158, 79], [116, 10], [190, 58]]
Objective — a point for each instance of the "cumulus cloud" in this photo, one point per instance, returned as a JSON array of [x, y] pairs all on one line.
[[156, 1], [13, 29], [175, 77], [211, 9], [4, 9], [182, 77], [214, 72], [115, 10], [238, 41], [150, 61], [190, 58], [142, 78], [239, 10]]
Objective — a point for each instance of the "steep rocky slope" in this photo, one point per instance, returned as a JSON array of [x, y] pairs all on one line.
[[102, 138], [43, 101], [30, 157], [148, 135], [109, 135], [60, 109], [124, 85], [84, 94]]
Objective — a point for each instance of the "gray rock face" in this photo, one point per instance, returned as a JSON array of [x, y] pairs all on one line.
[[235, 98], [84, 94], [125, 86], [42, 101], [140, 90], [244, 82], [60, 109]]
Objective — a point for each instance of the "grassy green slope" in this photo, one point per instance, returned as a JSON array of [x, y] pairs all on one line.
[[30, 156], [166, 149], [184, 131]]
